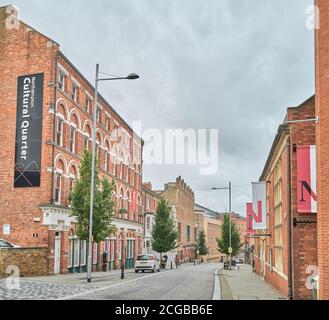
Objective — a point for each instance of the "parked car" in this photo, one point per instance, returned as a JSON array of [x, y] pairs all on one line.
[[227, 264], [4, 244], [147, 262]]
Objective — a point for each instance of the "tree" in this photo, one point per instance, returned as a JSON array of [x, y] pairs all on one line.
[[224, 241], [103, 203], [202, 244], [164, 231]]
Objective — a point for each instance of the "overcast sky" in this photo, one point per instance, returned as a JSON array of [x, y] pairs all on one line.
[[230, 65]]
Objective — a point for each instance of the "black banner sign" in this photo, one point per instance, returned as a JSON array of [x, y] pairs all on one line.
[[28, 131]]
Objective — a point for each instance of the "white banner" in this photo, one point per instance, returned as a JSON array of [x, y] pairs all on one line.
[[259, 205]]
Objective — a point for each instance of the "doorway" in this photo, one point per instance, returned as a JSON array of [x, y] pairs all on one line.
[[57, 255]]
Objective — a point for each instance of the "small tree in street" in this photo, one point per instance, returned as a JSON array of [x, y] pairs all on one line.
[[164, 231], [103, 203], [224, 241], [202, 244]]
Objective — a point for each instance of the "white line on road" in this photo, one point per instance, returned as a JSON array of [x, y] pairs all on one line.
[[217, 290], [106, 287]]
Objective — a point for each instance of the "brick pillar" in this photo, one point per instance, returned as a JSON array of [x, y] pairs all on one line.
[[51, 254], [124, 247], [322, 135], [101, 247], [64, 251], [136, 247], [117, 246]]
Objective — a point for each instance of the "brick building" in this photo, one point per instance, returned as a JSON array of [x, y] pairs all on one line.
[[322, 137], [282, 259], [181, 197], [151, 199], [150, 204], [37, 213], [207, 220]]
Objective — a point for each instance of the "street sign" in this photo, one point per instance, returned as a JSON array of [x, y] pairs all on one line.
[[230, 250]]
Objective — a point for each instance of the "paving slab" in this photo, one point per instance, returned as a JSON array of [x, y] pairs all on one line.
[[243, 284]]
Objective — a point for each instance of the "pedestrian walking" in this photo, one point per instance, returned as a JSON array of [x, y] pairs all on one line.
[[177, 261]]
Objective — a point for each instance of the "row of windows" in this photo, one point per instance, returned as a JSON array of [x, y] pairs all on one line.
[[77, 254], [278, 229], [106, 161], [88, 105], [188, 232], [123, 202]]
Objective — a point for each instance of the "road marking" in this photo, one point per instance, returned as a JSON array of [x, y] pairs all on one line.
[[217, 295], [107, 287]]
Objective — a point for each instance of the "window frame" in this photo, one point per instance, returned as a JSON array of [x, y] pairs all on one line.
[[59, 132], [72, 139], [75, 92], [61, 84], [58, 190]]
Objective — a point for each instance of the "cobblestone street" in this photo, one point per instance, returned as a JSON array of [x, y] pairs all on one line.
[[188, 282]]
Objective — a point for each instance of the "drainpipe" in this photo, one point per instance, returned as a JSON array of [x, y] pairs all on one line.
[[52, 200], [290, 286]]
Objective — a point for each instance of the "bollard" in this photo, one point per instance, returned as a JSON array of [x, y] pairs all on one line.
[[122, 271]]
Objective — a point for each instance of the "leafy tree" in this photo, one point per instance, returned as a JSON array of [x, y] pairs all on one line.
[[224, 241], [103, 203], [164, 231], [202, 244]]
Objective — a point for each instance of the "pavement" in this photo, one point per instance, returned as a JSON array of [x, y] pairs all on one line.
[[243, 284], [188, 282]]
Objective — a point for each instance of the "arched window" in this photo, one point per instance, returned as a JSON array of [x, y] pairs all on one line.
[[122, 199], [87, 142], [107, 160], [72, 182], [99, 150], [129, 206], [60, 125], [73, 137], [58, 182]]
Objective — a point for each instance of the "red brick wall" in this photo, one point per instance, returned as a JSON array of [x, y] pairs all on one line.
[[304, 233], [180, 195], [23, 51], [322, 136]]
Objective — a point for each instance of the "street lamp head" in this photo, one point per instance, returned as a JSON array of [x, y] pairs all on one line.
[[133, 76]]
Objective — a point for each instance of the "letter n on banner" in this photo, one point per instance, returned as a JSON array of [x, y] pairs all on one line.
[[250, 219], [259, 205], [306, 179]]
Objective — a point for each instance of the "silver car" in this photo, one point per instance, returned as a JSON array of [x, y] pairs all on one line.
[[147, 262], [4, 244]]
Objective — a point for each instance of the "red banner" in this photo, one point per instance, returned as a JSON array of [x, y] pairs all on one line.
[[306, 179], [250, 219]]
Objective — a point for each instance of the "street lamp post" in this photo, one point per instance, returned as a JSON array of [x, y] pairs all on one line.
[[131, 76], [230, 214]]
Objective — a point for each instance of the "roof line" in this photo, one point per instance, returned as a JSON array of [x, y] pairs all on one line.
[[283, 128], [93, 88], [203, 207]]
